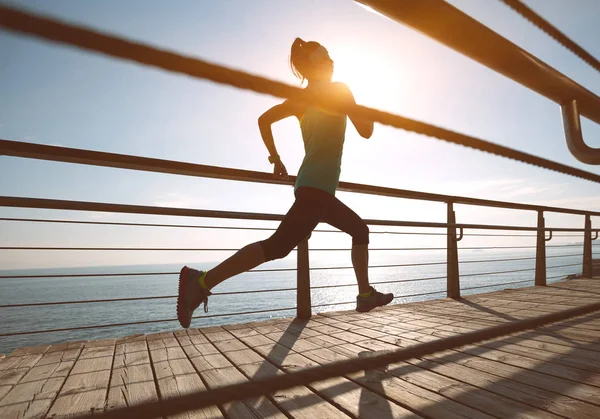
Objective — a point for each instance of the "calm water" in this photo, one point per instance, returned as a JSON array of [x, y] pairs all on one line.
[[20, 290]]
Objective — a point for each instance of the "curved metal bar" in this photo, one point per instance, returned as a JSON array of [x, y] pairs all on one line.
[[460, 235], [550, 237], [574, 136], [596, 236]]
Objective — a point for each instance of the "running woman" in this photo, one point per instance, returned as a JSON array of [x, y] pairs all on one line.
[[323, 134]]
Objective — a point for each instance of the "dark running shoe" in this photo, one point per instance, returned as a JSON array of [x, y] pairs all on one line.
[[190, 296], [377, 299]]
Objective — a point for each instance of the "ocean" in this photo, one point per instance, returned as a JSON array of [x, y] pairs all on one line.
[[37, 289]]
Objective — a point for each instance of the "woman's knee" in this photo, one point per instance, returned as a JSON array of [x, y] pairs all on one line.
[[361, 236], [275, 250]]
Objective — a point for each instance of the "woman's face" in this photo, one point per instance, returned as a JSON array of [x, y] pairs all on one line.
[[322, 64]]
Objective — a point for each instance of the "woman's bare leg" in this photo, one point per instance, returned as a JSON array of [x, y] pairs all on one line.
[[360, 261], [243, 260]]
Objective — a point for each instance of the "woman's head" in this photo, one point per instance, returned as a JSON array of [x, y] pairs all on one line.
[[310, 60]]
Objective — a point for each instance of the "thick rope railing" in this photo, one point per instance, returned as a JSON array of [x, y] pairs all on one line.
[[551, 30], [17, 20], [255, 388]]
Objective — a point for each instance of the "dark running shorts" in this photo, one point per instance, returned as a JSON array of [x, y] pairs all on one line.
[[311, 207]]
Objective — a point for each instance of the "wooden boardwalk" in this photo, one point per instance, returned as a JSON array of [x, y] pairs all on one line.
[[550, 372]]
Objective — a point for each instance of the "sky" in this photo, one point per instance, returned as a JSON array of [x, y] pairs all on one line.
[[52, 94]]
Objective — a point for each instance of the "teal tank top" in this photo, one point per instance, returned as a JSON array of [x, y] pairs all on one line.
[[323, 134]]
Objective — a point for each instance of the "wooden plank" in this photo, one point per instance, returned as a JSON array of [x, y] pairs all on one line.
[[175, 375], [510, 389], [86, 387], [412, 396], [132, 380], [473, 358], [35, 390], [217, 371], [347, 395], [548, 393], [298, 402]]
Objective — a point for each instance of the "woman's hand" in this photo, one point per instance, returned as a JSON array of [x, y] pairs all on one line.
[[280, 171]]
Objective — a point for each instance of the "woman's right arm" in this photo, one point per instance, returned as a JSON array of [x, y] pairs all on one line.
[[276, 113]]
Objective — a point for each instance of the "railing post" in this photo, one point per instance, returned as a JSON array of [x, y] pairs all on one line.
[[540, 254], [303, 305], [587, 268], [453, 284]]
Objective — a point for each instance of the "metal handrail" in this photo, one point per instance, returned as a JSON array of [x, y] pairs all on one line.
[[217, 249], [39, 203], [218, 227]]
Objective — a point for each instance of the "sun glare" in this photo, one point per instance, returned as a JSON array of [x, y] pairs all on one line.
[[374, 80]]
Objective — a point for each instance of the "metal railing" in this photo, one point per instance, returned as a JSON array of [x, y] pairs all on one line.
[[519, 65], [589, 107], [454, 233]]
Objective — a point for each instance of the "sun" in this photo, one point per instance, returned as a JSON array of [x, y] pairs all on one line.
[[371, 76]]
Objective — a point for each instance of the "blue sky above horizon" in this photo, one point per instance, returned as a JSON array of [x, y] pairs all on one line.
[[57, 95]]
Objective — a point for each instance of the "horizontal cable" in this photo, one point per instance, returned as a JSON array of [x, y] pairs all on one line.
[[400, 296], [99, 326], [271, 385], [564, 266], [23, 22], [204, 249], [379, 282], [495, 260], [325, 268], [208, 249], [110, 300], [83, 275], [497, 272], [498, 285], [114, 223], [562, 256], [514, 259], [279, 289], [558, 276]]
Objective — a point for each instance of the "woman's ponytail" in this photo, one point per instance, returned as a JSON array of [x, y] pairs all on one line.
[[298, 58]]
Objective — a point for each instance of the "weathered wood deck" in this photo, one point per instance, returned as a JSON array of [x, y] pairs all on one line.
[[546, 373]]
